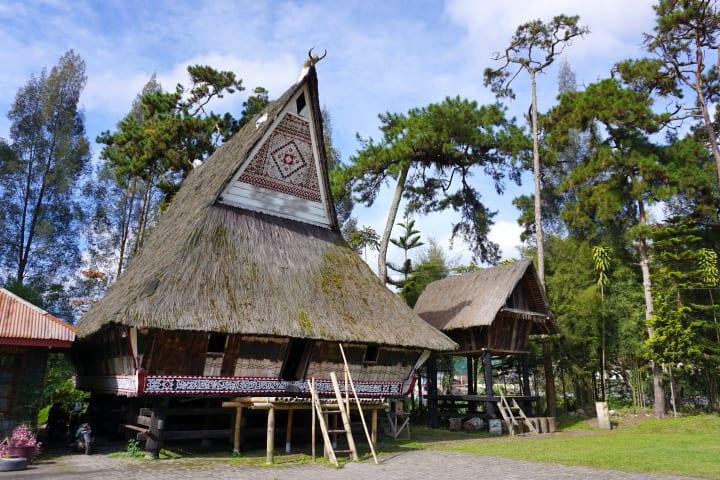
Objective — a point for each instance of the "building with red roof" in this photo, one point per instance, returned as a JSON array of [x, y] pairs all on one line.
[[27, 336]]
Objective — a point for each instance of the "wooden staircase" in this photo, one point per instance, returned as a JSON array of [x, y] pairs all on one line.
[[320, 413], [513, 416]]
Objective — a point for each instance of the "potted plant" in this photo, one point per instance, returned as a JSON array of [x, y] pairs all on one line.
[[22, 443]]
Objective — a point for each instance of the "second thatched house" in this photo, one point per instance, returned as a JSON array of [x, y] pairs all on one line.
[[246, 287], [491, 314]]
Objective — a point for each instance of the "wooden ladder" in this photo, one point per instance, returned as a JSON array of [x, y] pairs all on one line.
[[336, 408], [508, 412], [343, 408]]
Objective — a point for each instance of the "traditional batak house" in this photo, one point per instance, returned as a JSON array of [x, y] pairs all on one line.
[[27, 335], [246, 286], [491, 314]]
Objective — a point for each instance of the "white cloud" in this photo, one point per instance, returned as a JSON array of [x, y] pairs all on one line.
[[113, 91], [507, 235]]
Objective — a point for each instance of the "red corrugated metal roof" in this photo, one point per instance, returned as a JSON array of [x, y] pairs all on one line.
[[21, 319]]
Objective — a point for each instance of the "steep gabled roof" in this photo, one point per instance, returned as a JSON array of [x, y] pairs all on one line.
[[22, 323], [475, 299], [210, 266]]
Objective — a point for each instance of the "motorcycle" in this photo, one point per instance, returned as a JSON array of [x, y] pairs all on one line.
[[83, 440]]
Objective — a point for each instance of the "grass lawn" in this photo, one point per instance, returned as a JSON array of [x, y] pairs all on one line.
[[683, 446]]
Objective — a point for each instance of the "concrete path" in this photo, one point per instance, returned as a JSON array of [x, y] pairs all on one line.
[[411, 465]]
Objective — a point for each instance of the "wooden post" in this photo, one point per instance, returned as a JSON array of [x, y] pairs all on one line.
[[154, 442], [312, 414], [432, 391], [487, 368], [472, 383], [236, 431], [373, 426], [527, 406], [270, 435], [288, 432]]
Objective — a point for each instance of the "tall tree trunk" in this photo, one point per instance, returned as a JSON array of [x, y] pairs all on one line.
[[549, 379], [142, 219], [658, 387], [390, 223], [37, 209], [707, 121], [673, 391], [602, 353], [539, 238], [564, 389], [125, 225]]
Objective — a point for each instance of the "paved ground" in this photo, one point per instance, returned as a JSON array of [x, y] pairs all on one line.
[[421, 464]]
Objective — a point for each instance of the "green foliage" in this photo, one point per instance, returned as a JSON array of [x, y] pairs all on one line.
[[407, 241], [683, 330], [341, 194], [154, 147], [601, 257], [442, 144], [167, 131], [431, 265], [133, 448], [59, 386], [25, 292], [360, 239]]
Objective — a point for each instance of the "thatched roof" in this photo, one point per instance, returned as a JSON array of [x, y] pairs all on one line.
[[213, 267], [475, 299]]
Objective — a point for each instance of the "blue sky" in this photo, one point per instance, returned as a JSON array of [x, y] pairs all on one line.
[[383, 56]]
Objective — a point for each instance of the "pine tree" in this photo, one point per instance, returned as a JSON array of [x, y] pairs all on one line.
[[408, 240], [686, 36], [533, 48], [431, 153]]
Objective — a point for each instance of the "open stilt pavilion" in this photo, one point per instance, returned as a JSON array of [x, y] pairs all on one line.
[[491, 314]]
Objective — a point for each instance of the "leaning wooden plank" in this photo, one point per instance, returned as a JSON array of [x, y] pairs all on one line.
[[357, 400], [135, 428], [323, 426]]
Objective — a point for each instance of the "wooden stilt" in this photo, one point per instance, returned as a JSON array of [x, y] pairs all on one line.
[[313, 413], [288, 432], [154, 441], [527, 406], [270, 435], [236, 431], [487, 367], [373, 426], [433, 391], [471, 382]]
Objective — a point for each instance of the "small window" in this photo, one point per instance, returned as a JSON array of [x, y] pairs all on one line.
[[300, 103], [216, 343], [371, 354], [298, 355]]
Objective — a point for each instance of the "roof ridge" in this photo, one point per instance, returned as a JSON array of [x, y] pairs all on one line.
[[42, 311], [25, 302]]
